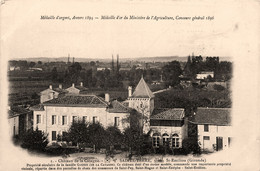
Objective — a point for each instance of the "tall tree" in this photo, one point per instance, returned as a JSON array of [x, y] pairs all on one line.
[[171, 73], [113, 136], [134, 138], [96, 134], [74, 72], [78, 132], [54, 74]]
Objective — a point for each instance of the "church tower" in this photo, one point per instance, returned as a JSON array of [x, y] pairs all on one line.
[[142, 100]]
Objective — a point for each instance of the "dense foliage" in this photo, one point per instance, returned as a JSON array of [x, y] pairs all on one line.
[[34, 140], [171, 73], [93, 135], [190, 145]]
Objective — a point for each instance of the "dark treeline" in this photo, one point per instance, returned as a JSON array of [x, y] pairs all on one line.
[[106, 78], [115, 77], [222, 69]]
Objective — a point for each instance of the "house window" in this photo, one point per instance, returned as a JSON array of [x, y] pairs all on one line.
[[165, 139], [206, 138], [53, 120], [116, 121], [74, 119], [206, 128], [156, 140], [54, 136], [95, 119], [84, 119], [175, 141], [38, 119], [64, 120]]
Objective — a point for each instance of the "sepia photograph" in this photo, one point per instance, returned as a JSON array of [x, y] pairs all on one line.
[[129, 85]]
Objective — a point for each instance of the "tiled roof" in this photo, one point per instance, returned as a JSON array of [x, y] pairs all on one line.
[[38, 107], [168, 114], [77, 100], [125, 103], [47, 91], [118, 107], [142, 90], [212, 116], [72, 89], [16, 111], [60, 90], [81, 88]]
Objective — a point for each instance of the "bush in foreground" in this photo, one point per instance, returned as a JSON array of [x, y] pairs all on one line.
[[34, 140], [190, 145]]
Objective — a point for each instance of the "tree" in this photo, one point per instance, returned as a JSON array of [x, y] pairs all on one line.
[[190, 145], [78, 132], [113, 137], [54, 74], [196, 65], [218, 87], [96, 135], [32, 64], [134, 138], [22, 64], [34, 140], [74, 72], [39, 62], [171, 73]]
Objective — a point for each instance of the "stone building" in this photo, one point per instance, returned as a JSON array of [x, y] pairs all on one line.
[[168, 127], [142, 100], [54, 117]]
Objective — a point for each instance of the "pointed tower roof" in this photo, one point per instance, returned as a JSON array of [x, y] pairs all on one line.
[[142, 90]]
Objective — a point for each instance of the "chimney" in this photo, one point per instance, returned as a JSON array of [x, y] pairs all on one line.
[[60, 86], [107, 97], [50, 87], [81, 84], [129, 91], [73, 85]]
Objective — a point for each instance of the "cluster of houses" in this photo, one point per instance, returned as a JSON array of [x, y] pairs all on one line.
[[59, 108]]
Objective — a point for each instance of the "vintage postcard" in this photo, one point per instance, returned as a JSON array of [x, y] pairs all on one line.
[[130, 85]]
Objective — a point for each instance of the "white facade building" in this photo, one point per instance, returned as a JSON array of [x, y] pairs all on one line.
[[213, 128], [55, 117], [13, 125], [203, 75], [48, 94]]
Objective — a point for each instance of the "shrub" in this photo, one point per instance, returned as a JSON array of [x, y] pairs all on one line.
[[34, 140], [218, 87], [190, 145]]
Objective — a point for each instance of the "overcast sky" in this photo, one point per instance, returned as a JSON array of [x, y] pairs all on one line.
[[24, 34]]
